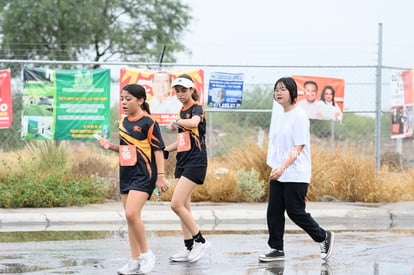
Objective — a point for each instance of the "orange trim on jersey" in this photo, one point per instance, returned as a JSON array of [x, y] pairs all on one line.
[[193, 131], [151, 137], [144, 156], [138, 117], [197, 141], [147, 164], [142, 145], [194, 103]]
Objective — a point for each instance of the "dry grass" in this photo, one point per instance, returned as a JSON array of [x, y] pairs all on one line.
[[348, 175], [221, 180], [345, 175]]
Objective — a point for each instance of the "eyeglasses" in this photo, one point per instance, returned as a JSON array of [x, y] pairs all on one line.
[[279, 91]]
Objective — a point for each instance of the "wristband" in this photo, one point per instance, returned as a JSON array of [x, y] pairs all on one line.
[[166, 154]]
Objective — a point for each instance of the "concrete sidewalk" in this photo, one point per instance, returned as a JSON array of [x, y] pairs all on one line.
[[158, 216]]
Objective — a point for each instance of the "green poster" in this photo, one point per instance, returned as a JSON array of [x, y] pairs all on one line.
[[65, 104]]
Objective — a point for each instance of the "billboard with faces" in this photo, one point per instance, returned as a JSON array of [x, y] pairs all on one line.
[[163, 103], [321, 97]]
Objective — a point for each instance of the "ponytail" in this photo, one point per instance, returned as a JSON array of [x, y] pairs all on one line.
[[145, 106], [194, 95]]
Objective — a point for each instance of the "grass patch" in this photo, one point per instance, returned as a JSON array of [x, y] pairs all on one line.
[[42, 176], [50, 174]]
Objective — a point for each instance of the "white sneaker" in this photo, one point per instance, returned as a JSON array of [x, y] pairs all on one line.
[[199, 249], [181, 256], [131, 267], [147, 262]]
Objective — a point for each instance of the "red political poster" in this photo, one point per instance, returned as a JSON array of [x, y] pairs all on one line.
[[6, 107], [321, 97], [164, 105], [402, 104]]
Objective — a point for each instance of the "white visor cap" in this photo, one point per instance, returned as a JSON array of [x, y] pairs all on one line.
[[187, 83]]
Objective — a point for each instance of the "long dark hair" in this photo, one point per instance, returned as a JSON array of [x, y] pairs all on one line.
[[291, 86], [333, 94], [139, 92], [195, 96]]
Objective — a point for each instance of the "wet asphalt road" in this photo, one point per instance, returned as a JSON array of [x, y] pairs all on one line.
[[372, 252]]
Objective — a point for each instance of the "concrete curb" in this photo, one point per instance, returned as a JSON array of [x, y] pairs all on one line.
[[158, 216]]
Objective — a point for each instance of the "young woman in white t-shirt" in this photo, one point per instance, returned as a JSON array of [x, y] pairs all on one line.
[[290, 158]]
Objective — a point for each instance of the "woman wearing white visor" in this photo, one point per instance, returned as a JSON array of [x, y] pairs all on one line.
[[191, 166]]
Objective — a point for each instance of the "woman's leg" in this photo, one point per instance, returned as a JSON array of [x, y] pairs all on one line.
[[133, 203], [181, 205], [276, 215], [295, 194]]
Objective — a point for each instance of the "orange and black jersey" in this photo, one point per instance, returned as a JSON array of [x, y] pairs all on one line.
[[144, 133], [197, 155]]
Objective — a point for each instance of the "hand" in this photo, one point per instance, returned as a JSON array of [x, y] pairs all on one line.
[[104, 143], [172, 127], [161, 184], [277, 173]]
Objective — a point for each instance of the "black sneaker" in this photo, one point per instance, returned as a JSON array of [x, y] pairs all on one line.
[[327, 245], [273, 255]]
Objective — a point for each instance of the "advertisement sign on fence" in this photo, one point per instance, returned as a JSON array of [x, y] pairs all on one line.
[[402, 104], [65, 104], [321, 97], [6, 106], [164, 105], [225, 90]]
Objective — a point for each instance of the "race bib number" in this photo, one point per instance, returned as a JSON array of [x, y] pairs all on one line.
[[127, 155], [183, 142]]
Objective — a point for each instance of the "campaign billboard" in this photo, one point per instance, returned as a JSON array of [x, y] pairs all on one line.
[[164, 105], [321, 97], [6, 105], [65, 104]]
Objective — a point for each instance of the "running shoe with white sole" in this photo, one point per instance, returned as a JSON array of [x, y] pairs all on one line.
[[147, 262], [180, 256], [327, 245], [131, 267], [272, 255], [199, 249]]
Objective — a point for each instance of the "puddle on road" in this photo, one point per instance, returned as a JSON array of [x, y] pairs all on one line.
[[16, 268], [356, 253], [42, 236], [19, 268]]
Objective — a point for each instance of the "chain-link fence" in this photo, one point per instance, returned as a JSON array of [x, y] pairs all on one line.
[[228, 128]]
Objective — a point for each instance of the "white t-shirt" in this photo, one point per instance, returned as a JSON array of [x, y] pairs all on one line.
[[171, 106], [328, 111], [290, 129], [310, 109]]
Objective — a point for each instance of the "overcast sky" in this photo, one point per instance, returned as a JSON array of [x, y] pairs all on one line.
[[305, 33], [300, 32]]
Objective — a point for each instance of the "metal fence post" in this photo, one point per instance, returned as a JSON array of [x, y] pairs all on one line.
[[378, 103]]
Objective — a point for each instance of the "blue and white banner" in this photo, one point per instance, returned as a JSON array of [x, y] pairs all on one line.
[[225, 90]]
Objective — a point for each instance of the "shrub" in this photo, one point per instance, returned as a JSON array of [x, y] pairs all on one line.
[[47, 174], [43, 179], [251, 188]]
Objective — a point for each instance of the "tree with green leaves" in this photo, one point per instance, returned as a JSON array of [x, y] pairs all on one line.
[[93, 30]]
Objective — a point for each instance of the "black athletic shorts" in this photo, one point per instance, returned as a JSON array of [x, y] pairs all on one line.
[[195, 174]]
